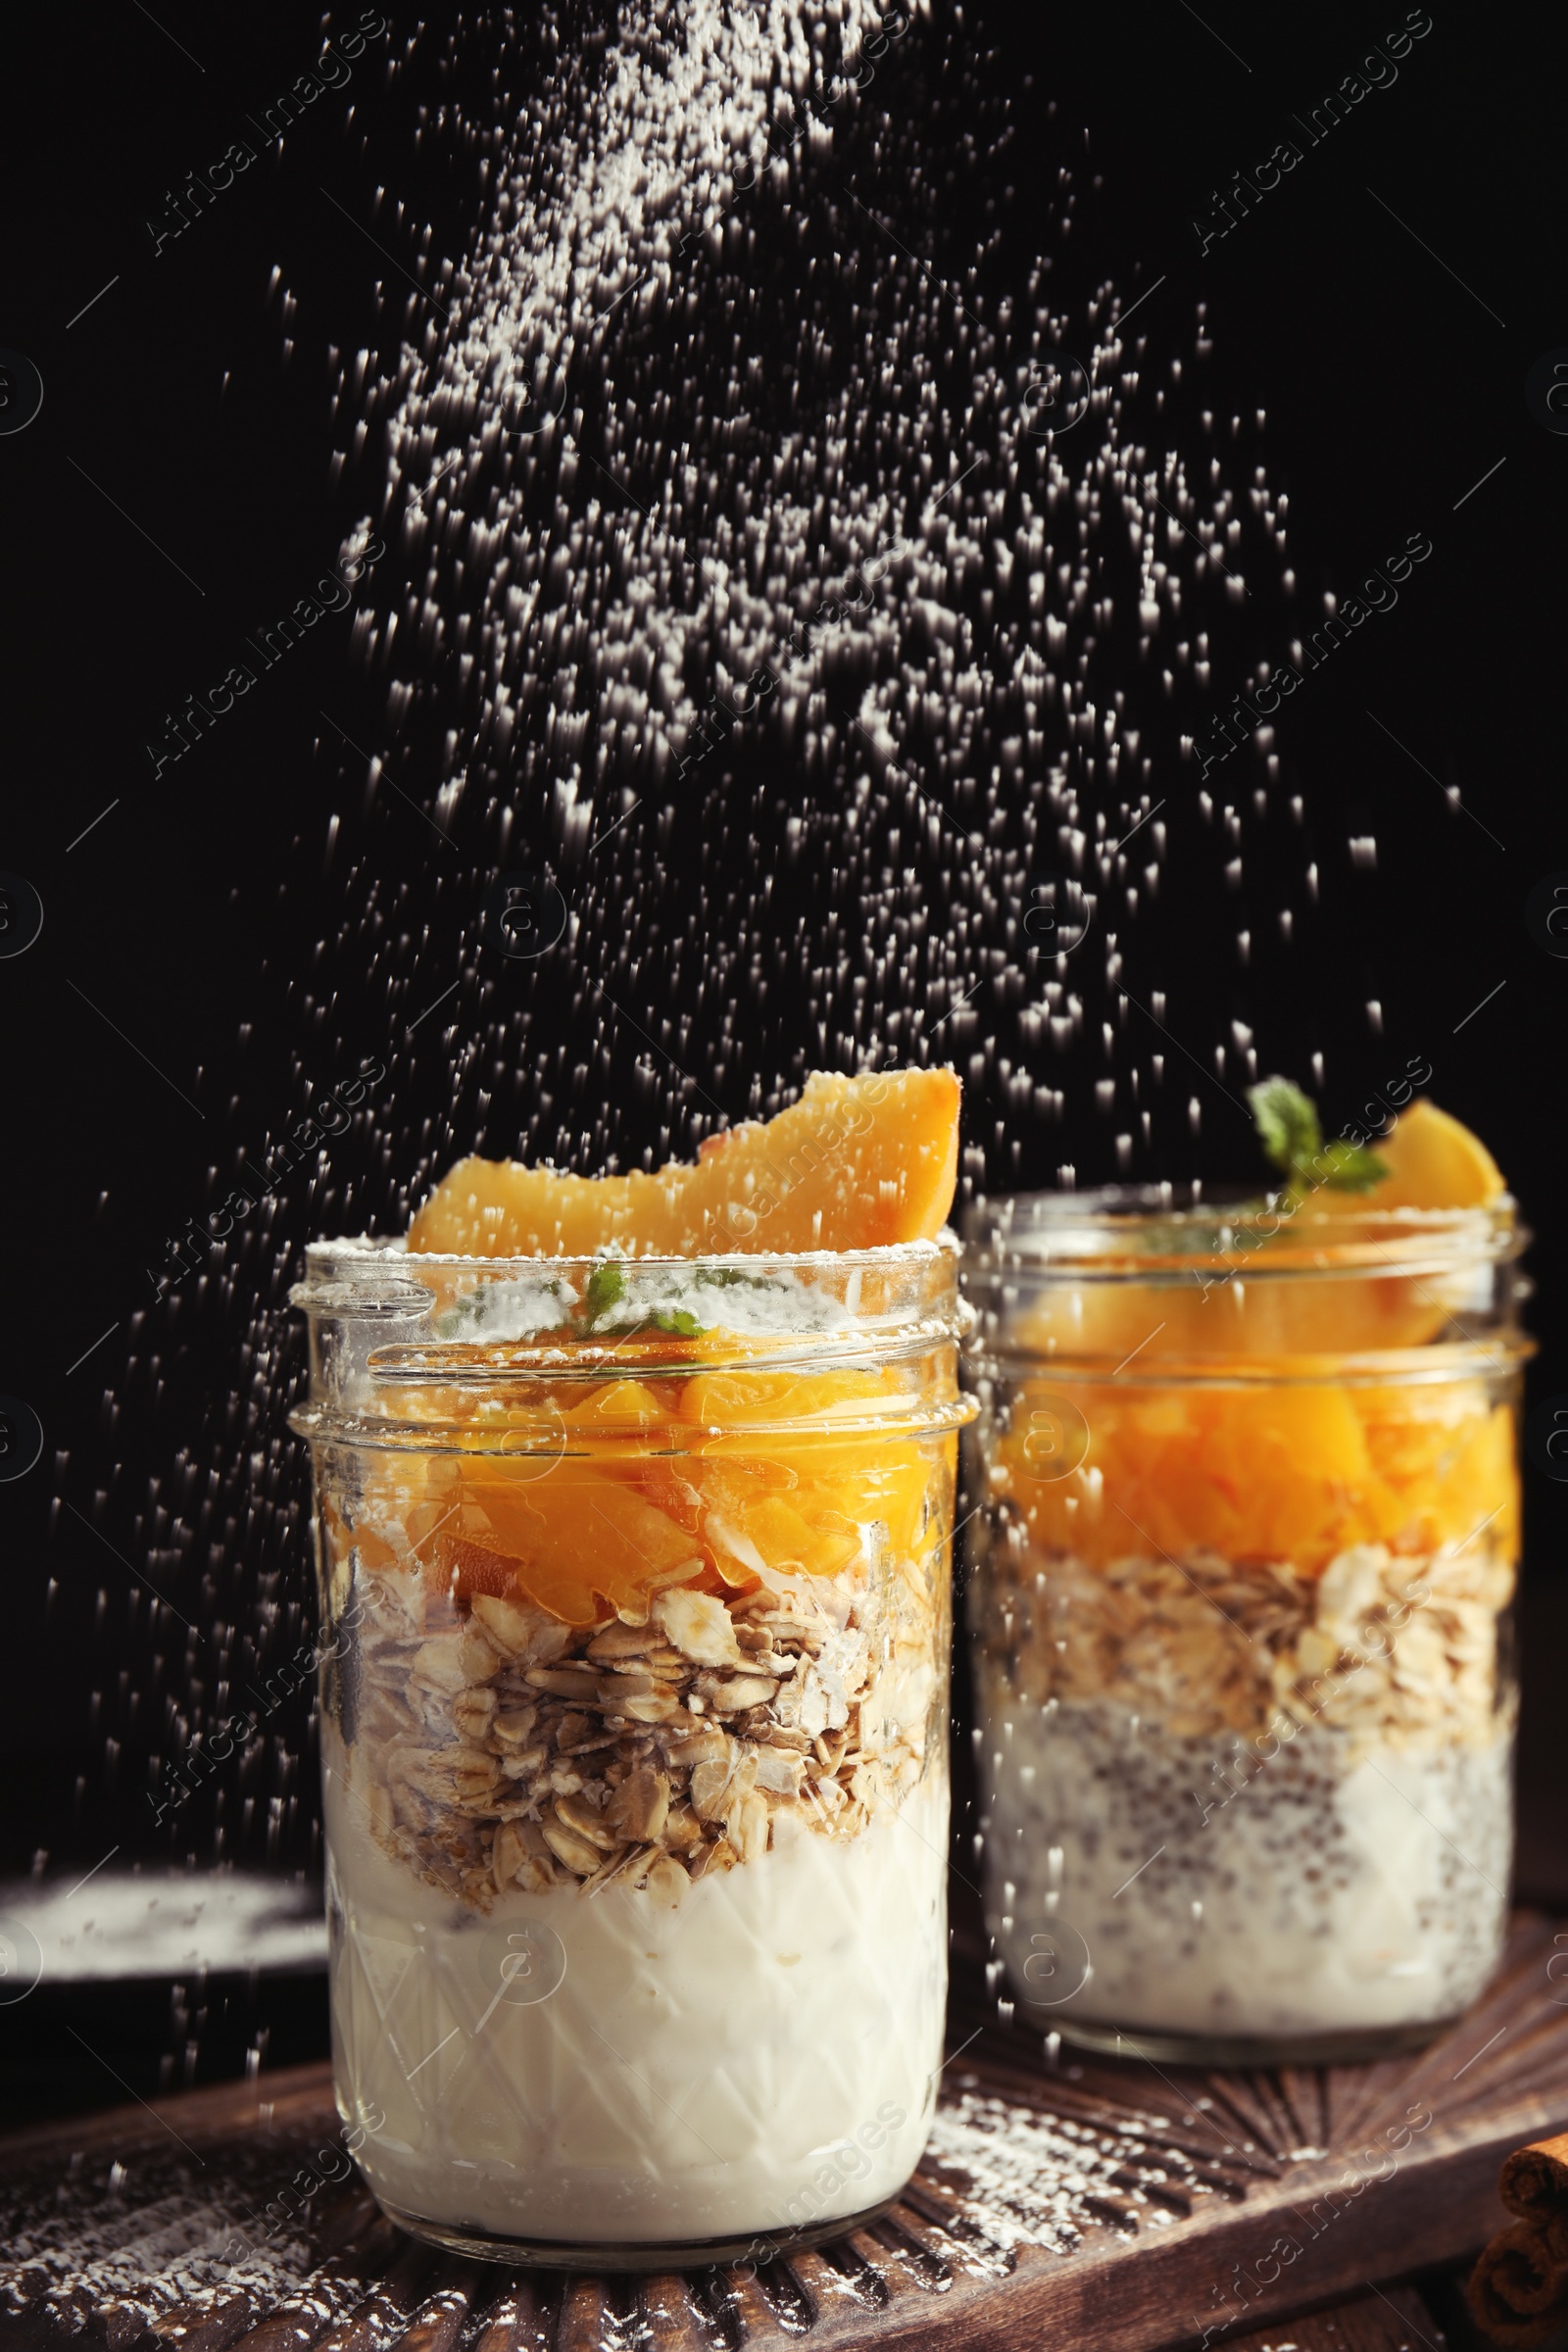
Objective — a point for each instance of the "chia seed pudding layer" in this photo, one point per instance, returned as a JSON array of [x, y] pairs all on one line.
[[1346, 1884], [1230, 1802]]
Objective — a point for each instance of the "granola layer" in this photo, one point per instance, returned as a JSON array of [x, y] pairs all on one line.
[[495, 1747], [1398, 1648]]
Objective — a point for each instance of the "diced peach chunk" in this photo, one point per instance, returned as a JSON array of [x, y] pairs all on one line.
[[1295, 1472]]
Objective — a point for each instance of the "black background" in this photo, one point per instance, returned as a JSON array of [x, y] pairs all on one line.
[[204, 967]]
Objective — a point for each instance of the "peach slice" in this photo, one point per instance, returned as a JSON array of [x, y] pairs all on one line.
[[857, 1163], [1432, 1162]]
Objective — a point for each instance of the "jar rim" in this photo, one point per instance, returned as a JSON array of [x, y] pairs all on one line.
[[385, 1318], [1133, 1233], [898, 1292], [370, 1252], [1496, 1360]]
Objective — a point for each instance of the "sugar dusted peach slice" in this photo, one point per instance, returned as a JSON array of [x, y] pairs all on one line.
[[857, 1163]]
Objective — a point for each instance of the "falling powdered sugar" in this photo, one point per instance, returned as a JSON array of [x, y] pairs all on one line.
[[799, 547], [736, 537]]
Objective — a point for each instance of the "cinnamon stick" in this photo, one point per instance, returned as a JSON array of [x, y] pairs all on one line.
[[1519, 2287]]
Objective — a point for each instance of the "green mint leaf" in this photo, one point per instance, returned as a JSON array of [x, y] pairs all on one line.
[[1352, 1168], [681, 1324], [607, 1287], [1288, 1128], [1286, 1124]]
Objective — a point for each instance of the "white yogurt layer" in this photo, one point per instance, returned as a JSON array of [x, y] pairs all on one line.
[[763, 2057], [1339, 1890]]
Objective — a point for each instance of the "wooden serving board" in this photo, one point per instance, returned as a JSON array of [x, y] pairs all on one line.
[[1112, 2204]]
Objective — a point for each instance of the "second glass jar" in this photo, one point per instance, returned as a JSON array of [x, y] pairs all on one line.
[[1240, 1615]]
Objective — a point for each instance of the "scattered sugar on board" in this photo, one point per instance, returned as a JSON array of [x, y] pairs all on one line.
[[1030, 2179]]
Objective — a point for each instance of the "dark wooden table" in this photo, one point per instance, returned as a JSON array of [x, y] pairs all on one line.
[[1112, 2204]]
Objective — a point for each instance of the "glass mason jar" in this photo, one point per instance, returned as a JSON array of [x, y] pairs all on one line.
[[1240, 1609], [635, 1599]]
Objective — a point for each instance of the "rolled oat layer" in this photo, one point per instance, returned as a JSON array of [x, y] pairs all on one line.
[[1398, 1648], [502, 1749]]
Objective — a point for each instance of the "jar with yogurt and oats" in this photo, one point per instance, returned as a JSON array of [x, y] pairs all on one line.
[[635, 1591], [1241, 1613]]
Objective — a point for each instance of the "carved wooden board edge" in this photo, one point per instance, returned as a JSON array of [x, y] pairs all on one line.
[[219, 2110], [1403, 2179], [1202, 2205], [1393, 2319]]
